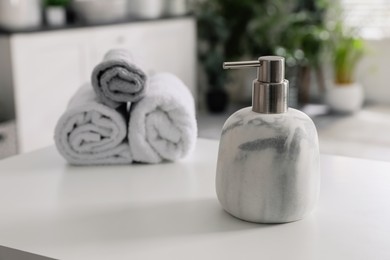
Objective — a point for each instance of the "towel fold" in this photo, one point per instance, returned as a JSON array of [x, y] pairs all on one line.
[[162, 125], [90, 133], [117, 80]]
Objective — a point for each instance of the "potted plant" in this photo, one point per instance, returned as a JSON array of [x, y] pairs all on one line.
[[212, 35], [346, 94], [295, 30], [55, 12]]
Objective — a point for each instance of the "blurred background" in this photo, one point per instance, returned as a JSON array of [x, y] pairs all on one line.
[[336, 61]]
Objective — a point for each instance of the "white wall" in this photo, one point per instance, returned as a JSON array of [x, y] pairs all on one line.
[[374, 71]]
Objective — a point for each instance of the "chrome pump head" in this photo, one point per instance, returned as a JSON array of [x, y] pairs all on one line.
[[270, 89]]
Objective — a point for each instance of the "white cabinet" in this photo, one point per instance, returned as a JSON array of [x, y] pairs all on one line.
[[165, 46], [48, 67], [47, 70]]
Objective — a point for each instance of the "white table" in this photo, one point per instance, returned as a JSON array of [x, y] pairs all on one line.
[[170, 211]]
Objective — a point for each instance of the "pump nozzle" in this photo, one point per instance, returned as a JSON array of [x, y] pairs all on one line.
[[270, 90], [271, 68], [241, 64]]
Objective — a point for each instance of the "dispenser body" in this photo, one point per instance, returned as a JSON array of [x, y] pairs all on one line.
[[268, 168]]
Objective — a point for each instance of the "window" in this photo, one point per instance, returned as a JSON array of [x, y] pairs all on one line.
[[372, 17]]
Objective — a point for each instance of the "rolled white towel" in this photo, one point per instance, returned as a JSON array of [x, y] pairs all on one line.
[[117, 79], [162, 125], [90, 133]]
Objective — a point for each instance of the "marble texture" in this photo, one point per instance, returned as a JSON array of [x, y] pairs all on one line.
[[268, 166]]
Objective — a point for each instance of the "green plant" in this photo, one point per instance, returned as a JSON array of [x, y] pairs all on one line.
[[212, 34], [348, 49], [238, 29], [296, 30], [62, 3]]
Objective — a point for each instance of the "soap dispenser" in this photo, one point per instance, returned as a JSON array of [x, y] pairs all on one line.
[[268, 160]]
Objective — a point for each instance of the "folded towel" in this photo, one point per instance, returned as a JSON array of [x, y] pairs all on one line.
[[90, 133], [117, 80], [162, 125]]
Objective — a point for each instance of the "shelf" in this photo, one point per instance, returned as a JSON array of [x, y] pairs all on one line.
[[79, 24]]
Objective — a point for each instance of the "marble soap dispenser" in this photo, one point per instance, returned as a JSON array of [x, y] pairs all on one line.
[[268, 160]]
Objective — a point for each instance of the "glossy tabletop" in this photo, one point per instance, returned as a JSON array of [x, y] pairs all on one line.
[[170, 211]]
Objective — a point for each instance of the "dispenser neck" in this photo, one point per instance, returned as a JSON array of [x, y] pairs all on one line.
[[270, 98]]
